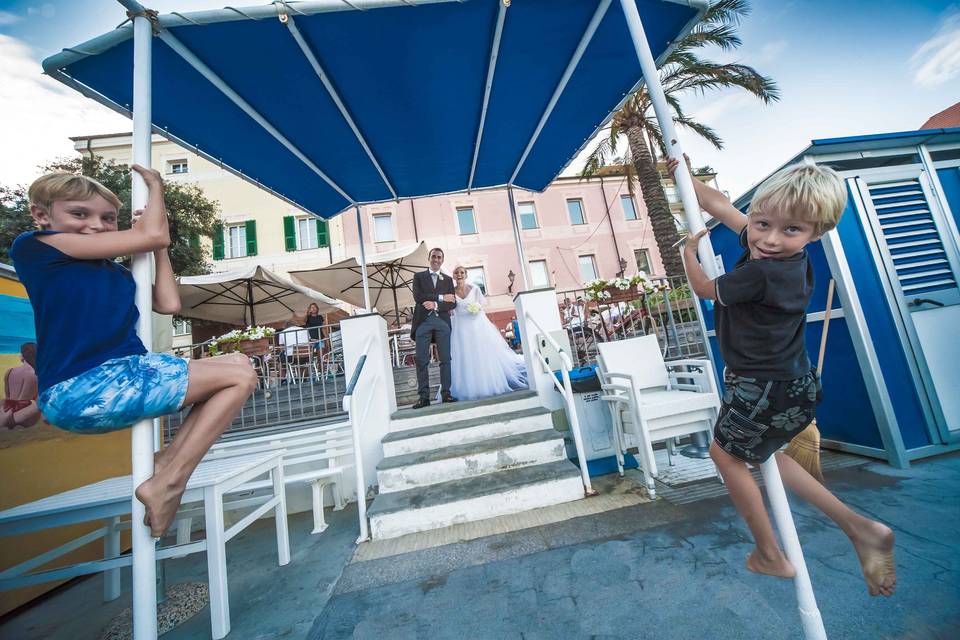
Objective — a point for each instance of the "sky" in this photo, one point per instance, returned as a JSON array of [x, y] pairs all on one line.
[[843, 68]]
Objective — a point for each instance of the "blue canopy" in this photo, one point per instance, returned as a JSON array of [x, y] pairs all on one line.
[[327, 105]]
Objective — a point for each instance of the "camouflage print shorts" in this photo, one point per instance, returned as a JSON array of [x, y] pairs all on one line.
[[760, 416]]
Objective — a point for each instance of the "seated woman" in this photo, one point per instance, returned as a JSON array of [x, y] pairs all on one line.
[[20, 391]]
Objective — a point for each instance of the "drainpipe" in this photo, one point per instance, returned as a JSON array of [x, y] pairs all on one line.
[[613, 233], [413, 212]]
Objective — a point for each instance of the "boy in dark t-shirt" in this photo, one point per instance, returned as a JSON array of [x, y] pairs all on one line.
[[770, 390]]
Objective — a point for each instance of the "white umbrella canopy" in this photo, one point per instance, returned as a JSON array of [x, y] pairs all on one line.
[[248, 296], [390, 277]]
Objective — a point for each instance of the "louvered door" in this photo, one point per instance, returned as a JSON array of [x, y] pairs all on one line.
[[920, 257]]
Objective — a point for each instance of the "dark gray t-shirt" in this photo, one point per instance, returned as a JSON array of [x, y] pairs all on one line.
[[761, 315]]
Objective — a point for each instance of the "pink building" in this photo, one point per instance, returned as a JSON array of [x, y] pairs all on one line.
[[573, 232]]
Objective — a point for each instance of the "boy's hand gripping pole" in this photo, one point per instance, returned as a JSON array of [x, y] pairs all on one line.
[[812, 623]]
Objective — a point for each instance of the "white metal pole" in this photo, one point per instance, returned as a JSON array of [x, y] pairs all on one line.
[[144, 546], [363, 261], [516, 238], [812, 623]]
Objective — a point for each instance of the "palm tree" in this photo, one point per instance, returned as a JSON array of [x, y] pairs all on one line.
[[680, 72]]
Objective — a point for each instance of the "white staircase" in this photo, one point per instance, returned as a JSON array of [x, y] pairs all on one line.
[[468, 461]]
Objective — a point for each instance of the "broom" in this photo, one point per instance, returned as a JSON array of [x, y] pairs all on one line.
[[805, 446]]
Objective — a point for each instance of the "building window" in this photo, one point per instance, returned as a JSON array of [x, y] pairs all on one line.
[[476, 277], [236, 241], [539, 276], [181, 327], [629, 211], [468, 225], [177, 166], [383, 227], [673, 197], [306, 233], [643, 260], [528, 215], [588, 269], [575, 209]]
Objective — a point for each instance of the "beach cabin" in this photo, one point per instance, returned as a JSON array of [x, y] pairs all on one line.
[[892, 363]]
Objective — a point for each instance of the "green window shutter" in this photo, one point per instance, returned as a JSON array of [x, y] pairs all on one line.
[[290, 233], [323, 234], [217, 238], [251, 237]]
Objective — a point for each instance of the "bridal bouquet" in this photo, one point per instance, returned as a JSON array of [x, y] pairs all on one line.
[[473, 307]]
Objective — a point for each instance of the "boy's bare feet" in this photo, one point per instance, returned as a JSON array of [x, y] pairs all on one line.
[[874, 545], [777, 566], [161, 500]]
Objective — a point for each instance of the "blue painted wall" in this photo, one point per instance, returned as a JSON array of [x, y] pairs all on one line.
[[950, 181]]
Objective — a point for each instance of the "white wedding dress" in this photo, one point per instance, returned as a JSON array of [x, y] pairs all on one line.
[[482, 364]]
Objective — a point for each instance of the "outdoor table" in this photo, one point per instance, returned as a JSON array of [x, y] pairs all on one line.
[[111, 498]]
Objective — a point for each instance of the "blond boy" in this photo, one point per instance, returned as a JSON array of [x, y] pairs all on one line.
[[770, 389]]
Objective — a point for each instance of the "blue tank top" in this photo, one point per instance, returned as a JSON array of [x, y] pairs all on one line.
[[83, 310]]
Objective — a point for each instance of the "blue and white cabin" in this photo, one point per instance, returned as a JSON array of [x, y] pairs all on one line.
[[891, 375]]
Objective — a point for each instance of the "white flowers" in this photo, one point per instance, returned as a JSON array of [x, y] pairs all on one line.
[[600, 290], [473, 307]]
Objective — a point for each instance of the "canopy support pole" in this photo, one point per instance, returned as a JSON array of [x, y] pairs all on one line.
[[491, 68], [318, 69], [142, 436], [363, 261], [564, 79], [516, 238], [200, 67], [809, 613]]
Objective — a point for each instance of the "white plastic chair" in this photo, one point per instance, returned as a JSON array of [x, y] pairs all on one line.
[[651, 401]]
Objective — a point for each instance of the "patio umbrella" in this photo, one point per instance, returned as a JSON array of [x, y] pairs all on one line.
[[389, 274], [247, 296]]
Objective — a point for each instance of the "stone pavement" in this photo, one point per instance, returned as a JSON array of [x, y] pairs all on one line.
[[651, 571]]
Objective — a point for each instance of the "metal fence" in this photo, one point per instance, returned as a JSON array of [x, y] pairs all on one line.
[[298, 379], [669, 313]]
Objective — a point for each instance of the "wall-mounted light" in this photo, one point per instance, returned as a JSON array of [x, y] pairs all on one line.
[[511, 276], [623, 267]]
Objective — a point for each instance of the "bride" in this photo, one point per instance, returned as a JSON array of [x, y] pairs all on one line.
[[482, 363]]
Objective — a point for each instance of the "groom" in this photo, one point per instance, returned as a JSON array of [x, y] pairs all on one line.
[[434, 295]]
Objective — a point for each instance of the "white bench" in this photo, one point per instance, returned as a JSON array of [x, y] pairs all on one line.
[[310, 455]]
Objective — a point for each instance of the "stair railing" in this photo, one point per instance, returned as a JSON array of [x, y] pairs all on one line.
[[567, 390], [349, 405]]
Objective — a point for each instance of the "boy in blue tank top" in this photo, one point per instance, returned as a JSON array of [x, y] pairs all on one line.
[[770, 389], [94, 374]]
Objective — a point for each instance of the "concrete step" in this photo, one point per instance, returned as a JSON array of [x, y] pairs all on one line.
[[471, 499], [424, 468], [438, 413], [475, 429]]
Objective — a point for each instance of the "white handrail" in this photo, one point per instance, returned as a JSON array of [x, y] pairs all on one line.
[[567, 390], [348, 406]]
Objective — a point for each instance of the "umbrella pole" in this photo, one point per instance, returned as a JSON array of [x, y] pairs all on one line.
[[809, 613], [363, 261], [516, 238], [253, 318], [142, 436]]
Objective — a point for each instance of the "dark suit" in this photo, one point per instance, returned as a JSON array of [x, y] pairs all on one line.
[[431, 326]]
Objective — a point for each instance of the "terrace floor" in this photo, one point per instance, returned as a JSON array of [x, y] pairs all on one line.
[[663, 569]]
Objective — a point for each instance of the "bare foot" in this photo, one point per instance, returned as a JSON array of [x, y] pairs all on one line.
[[874, 545], [161, 501], [778, 567]]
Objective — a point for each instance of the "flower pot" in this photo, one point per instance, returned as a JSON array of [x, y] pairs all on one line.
[[621, 295], [257, 347]]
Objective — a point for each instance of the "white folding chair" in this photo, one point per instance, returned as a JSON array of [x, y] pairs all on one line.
[[653, 401]]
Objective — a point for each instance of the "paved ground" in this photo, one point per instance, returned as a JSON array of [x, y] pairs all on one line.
[[656, 571]]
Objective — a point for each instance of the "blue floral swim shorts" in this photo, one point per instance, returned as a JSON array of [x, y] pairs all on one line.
[[760, 416], [117, 394]]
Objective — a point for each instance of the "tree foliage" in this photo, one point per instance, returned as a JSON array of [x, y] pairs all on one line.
[[190, 213]]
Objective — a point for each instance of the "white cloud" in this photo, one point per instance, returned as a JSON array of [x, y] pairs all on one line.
[[44, 11], [937, 60], [38, 114], [769, 52], [7, 18]]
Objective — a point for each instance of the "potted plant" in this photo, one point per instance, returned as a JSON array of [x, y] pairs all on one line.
[[252, 341], [619, 289]]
